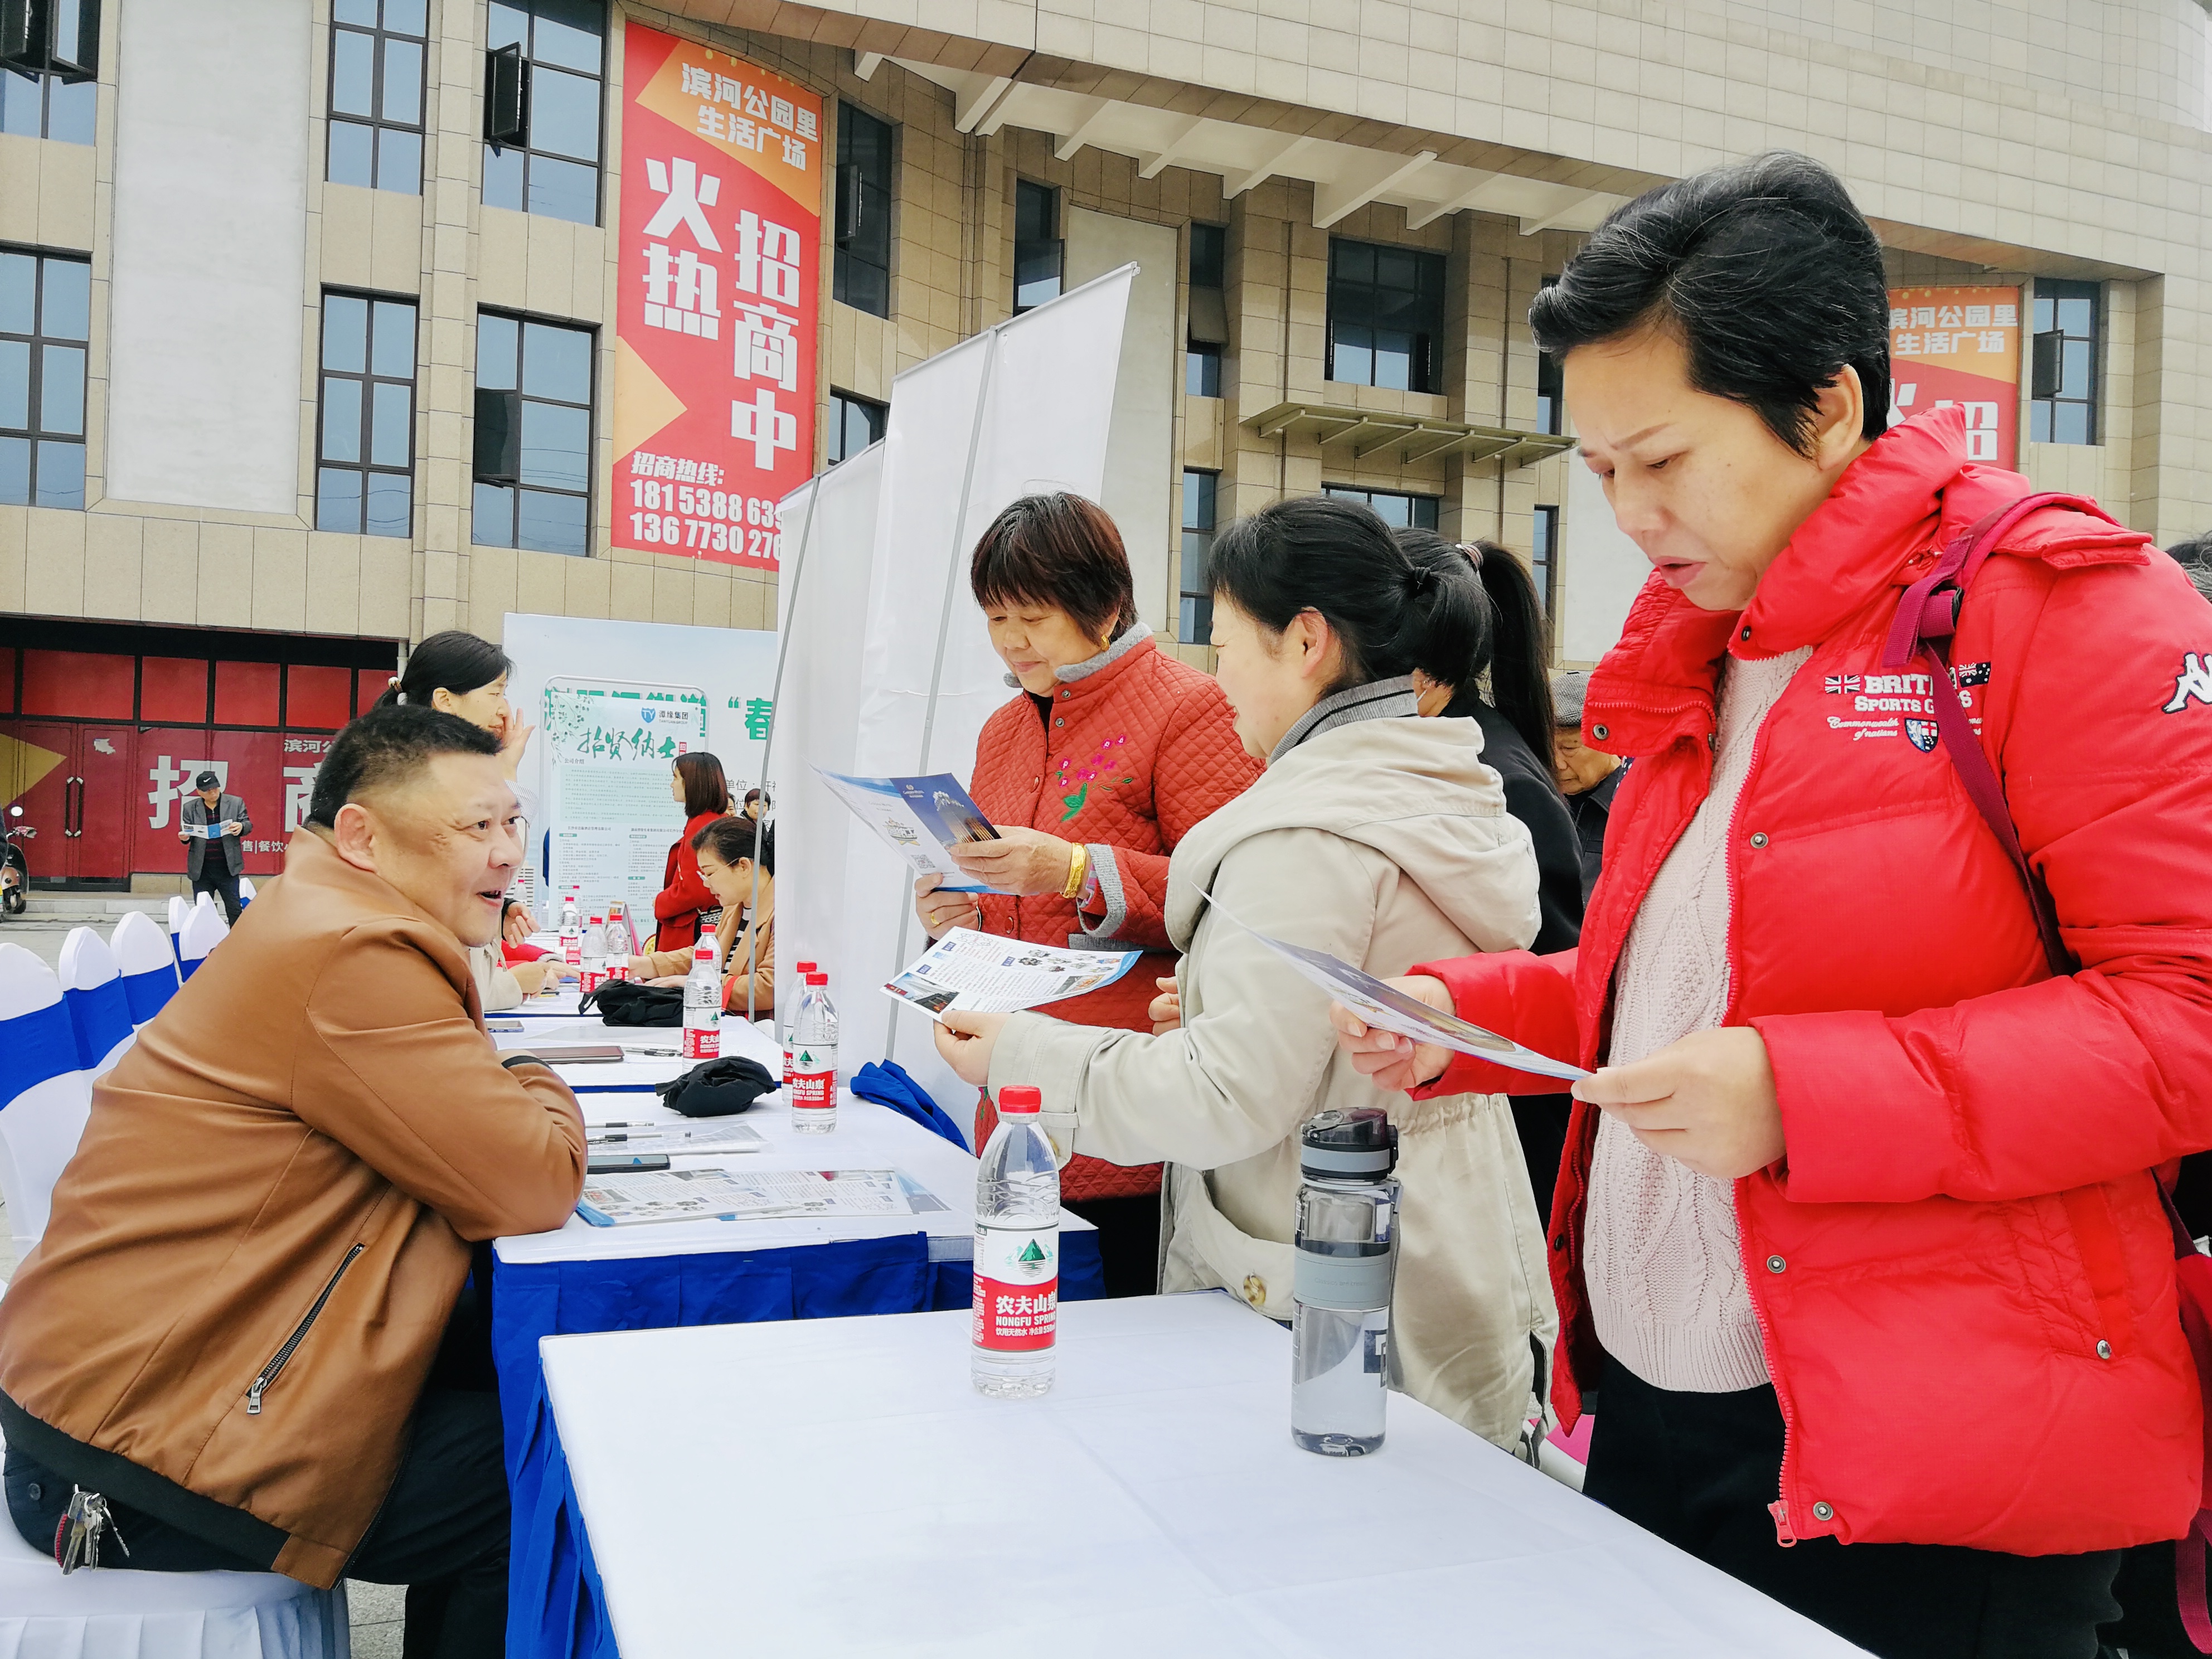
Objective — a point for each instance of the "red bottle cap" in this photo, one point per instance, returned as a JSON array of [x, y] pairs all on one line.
[[806, 967], [817, 979], [1019, 1097]]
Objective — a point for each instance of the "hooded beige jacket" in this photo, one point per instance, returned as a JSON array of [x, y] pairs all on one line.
[[1383, 841]]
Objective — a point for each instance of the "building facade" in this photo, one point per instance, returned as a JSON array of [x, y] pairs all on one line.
[[308, 308]]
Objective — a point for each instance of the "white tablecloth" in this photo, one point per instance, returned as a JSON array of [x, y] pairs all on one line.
[[868, 1137], [835, 1488]]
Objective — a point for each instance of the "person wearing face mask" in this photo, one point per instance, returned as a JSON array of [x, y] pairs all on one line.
[[1375, 835], [245, 1325], [1108, 754], [1858, 1240], [745, 931]]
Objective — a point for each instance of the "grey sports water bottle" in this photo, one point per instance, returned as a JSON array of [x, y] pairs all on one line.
[[1346, 1245]]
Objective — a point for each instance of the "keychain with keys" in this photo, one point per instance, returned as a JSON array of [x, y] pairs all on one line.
[[77, 1539]]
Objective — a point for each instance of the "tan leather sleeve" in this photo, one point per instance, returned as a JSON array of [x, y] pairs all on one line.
[[395, 1070]]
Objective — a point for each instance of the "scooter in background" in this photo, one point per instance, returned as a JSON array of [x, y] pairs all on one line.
[[14, 869]]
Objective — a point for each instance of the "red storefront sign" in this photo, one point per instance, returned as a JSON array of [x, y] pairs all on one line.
[[715, 321], [1960, 345]]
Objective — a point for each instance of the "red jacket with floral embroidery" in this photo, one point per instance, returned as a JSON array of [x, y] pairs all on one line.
[[1963, 1277], [1133, 754]]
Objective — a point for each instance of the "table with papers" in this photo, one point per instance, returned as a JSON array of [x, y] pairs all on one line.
[[582, 1277], [867, 1501]]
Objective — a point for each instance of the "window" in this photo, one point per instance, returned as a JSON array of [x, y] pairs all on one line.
[[48, 78], [1209, 311], [533, 437], [542, 107], [2063, 409], [1037, 247], [854, 423], [376, 93], [1386, 308], [1394, 508], [862, 278], [1544, 557], [45, 317], [365, 483], [1194, 620]]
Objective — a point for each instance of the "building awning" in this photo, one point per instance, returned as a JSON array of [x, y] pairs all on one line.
[[1406, 438]]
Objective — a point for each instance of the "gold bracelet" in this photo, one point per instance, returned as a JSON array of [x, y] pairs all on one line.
[[1078, 861]]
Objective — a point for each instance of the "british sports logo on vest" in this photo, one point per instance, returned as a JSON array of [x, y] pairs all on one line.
[[1893, 705], [2192, 684]]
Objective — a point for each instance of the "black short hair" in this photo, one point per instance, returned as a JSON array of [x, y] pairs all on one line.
[[1062, 550], [385, 745], [1766, 272], [2194, 551]]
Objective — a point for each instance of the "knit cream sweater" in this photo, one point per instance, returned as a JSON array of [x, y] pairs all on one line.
[[1665, 1275]]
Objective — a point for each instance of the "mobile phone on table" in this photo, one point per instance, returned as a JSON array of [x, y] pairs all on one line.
[[618, 1163]]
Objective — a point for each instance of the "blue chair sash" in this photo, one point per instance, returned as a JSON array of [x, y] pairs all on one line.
[[148, 993], [35, 1047], [101, 1017]]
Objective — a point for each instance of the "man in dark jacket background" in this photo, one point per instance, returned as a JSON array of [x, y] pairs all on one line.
[[215, 863], [1587, 777]]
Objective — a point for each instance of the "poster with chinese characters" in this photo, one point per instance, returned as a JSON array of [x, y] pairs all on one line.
[[610, 748], [715, 325], [1960, 345]]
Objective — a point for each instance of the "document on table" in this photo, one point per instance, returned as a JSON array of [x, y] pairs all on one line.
[[983, 973], [631, 1198], [676, 1139], [920, 818], [1390, 1009]]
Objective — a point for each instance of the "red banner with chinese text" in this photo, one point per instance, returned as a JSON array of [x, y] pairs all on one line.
[[715, 325], [1960, 345]]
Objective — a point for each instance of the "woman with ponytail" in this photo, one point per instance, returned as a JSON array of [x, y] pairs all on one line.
[[1371, 834], [1515, 721]]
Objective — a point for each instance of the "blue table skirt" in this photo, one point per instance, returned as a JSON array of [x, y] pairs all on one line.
[[556, 1609]]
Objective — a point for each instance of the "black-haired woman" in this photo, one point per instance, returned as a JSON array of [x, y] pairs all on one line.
[[737, 864], [1857, 1224], [685, 907], [457, 673], [1509, 649], [1372, 834], [1107, 754]]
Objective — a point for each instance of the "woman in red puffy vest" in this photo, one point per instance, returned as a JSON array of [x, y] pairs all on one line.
[[1856, 1242], [1110, 750]]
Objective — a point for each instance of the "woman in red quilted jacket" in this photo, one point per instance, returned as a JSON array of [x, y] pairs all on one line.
[[1856, 1242], [1110, 750], [685, 907]]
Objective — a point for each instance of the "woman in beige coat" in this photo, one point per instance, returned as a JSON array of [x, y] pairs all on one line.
[[1375, 835]]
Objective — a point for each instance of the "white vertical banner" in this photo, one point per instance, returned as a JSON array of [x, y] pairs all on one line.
[[1023, 408]]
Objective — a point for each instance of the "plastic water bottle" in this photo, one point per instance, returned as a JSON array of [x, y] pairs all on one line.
[[594, 955], [796, 995], [572, 931], [703, 1005], [1016, 1298], [622, 940], [814, 1061]]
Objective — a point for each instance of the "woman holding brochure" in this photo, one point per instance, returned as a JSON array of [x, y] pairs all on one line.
[[1859, 1231], [1108, 754], [1372, 834]]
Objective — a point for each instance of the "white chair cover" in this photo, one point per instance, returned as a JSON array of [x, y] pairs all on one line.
[[44, 1094], [148, 962], [245, 892], [204, 929], [180, 908], [111, 1613], [92, 991]]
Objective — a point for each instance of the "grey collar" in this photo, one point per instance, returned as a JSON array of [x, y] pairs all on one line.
[[1377, 700], [1136, 633]]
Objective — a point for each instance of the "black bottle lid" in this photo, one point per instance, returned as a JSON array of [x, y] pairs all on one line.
[[1360, 1144]]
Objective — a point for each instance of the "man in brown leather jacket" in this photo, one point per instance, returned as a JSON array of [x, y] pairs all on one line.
[[229, 1326]]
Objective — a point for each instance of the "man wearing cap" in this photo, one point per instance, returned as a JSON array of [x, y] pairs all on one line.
[[1587, 776], [215, 863]]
